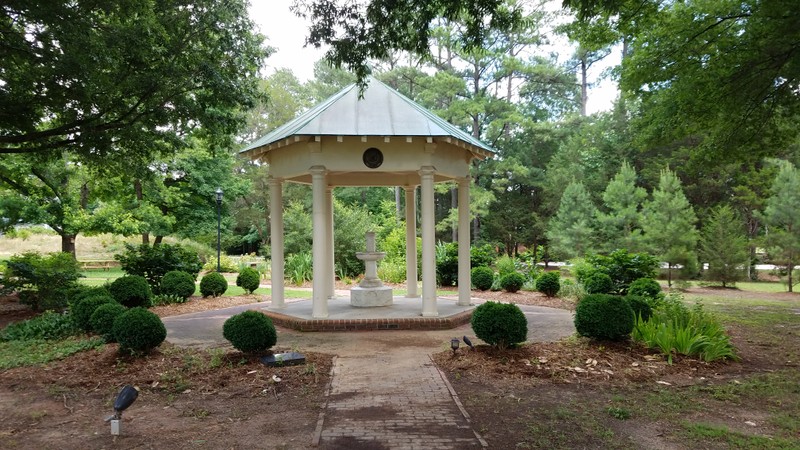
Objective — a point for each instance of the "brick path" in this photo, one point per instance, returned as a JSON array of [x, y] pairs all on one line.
[[393, 400]]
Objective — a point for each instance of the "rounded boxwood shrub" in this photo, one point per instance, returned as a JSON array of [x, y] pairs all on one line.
[[131, 291], [548, 283], [598, 283], [178, 284], [640, 307], [102, 320], [248, 279], [213, 284], [645, 287], [138, 330], [82, 310], [604, 317], [500, 324], [482, 278], [512, 282], [250, 332]]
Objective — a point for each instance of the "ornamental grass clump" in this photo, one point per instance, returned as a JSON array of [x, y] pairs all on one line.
[[248, 279], [604, 317], [213, 285], [482, 278], [250, 332], [500, 324], [138, 331]]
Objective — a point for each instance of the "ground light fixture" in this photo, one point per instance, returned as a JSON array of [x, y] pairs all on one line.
[[454, 344], [218, 193], [124, 399]]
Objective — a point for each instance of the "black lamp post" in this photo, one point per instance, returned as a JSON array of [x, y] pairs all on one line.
[[219, 205]]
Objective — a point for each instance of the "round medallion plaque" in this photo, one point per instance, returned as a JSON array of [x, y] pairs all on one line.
[[373, 158]]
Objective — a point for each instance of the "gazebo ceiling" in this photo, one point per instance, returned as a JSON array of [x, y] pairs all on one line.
[[384, 119]]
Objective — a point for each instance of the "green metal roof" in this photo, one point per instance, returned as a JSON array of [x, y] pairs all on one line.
[[381, 111]]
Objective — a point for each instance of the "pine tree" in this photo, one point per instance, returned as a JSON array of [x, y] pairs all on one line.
[[782, 216], [619, 228], [724, 246], [571, 232], [669, 224]]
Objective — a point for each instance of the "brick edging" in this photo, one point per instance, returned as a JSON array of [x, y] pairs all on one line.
[[408, 323]]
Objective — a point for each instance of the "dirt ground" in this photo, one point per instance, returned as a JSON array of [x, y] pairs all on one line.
[[222, 399]]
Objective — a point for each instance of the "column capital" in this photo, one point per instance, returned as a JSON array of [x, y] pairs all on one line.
[[426, 171], [271, 180], [317, 171]]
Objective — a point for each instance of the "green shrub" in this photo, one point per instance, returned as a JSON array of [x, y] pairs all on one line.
[[138, 330], [213, 285], [250, 332], [447, 264], [352, 223], [153, 262], [623, 268], [79, 292], [646, 287], [482, 278], [299, 268], [103, 317], [131, 291], [572, 290], [178, 284], [82, 311], [505, 265], [42, 281], [248, 279], [549, 283], [500, 324], [392, 271], [226, 264], [604, 317], [640, 306], [598, 283], [512, 282], [49, 325], [482, 255]]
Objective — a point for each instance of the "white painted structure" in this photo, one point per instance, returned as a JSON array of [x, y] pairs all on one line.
[[381, 139]]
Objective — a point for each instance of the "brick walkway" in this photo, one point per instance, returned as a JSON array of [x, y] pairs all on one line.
[[393, 400]]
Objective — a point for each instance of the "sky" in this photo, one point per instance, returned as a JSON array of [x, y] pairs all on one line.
[[286, 32]]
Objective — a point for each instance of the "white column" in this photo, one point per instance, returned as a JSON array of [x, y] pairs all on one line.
[[464, 266], [276, 240], [319, 298], [428, 244], [411, 242], [331, 281]]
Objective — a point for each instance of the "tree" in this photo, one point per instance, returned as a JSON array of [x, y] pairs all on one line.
[[724, 246], [782, 216], [110, 81], [669, 224], [571, 231], [619, 226]]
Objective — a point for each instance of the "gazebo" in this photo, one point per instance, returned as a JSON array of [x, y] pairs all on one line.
[[380, 138]]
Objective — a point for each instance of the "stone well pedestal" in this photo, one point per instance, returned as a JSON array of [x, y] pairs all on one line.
[[371, 291]]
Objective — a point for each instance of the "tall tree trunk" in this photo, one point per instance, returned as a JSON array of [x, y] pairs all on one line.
[[398, 198], [790, 269], [137, 188], [158, 240], [584, 84], [68, 244]]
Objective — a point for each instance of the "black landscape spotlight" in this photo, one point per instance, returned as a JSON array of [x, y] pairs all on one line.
[[454, 344], [218, 192], [468, 342], [124, 399]]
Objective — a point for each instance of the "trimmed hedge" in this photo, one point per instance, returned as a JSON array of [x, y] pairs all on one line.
[[131, 291], [645, 287], [248, 279], [500, 324], [598, 283], [81, 311], [178, 284], [549, 283], [138, 330], [604, 317], [213, 284], [250, 332], [482, 278], [512, 282], [640, 306], [102, 320]]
